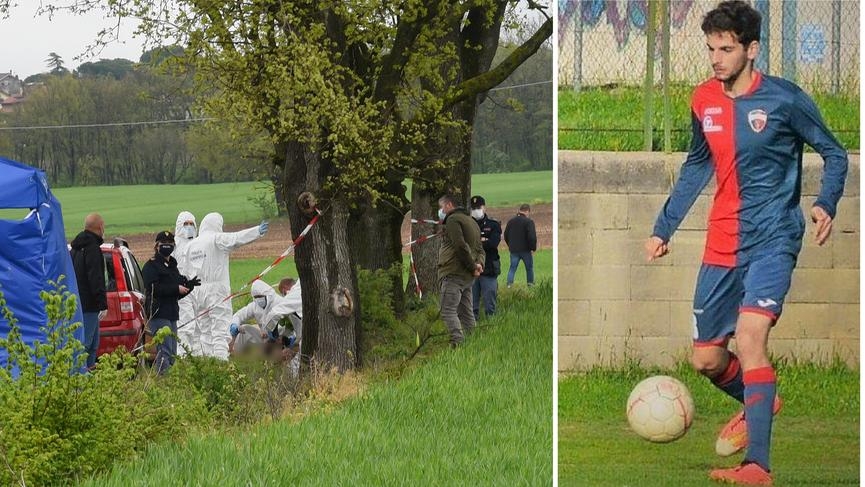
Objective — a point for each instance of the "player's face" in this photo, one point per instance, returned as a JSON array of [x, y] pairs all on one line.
[[728, 56]]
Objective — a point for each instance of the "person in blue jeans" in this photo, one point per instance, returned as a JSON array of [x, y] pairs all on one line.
[[89, 268], [164, 286], [522, 242], [486, 285]]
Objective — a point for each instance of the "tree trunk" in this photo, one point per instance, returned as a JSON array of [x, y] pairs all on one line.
[[331, 318], [456, 181], [376, 235]]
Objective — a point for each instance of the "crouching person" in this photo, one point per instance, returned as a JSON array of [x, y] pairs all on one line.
[[164, 287], [277, 324]]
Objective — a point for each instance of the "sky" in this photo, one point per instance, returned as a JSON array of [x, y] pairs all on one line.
[[27, 39]]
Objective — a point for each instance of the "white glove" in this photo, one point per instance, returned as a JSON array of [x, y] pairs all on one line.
[[102, 314]]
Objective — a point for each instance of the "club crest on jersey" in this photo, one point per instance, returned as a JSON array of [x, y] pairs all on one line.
[[709, 125], [757, 120]]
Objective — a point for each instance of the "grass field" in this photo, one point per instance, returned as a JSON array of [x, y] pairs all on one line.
[[244, 270], [815, 441], [478, 415], [611, 120], [150, 208]]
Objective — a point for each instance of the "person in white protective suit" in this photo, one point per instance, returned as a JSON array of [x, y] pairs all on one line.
[[207, 256], [185, 230], [277, 320]]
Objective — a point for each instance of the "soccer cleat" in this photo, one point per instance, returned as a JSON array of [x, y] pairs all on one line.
[[734, 436], [745, 474]]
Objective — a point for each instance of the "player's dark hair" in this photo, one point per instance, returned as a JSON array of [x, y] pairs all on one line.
[[734, 16]]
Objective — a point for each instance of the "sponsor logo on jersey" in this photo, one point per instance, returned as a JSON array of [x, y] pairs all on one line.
[[757, 120], [765, 303], [709, 125], [712, 111]]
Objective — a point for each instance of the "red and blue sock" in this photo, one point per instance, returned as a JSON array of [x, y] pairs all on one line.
[[730, 380], [759, 399]]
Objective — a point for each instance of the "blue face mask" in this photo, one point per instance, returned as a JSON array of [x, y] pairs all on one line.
[[442, 214]]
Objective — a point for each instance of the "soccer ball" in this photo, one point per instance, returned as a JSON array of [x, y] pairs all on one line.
[[660, 409]]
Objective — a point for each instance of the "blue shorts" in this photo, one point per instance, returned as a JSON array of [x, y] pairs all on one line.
[[724, 292]]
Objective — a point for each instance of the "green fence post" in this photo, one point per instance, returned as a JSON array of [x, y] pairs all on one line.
[[578, 52], [665, 73], [649, 79]]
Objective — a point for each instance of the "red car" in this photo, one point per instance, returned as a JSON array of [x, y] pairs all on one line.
[[124, 324]]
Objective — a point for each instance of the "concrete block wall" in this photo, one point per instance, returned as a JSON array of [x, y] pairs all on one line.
[[613, 306]]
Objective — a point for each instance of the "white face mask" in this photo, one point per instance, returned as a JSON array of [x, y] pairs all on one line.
[[478, 213], [261, 302], [442, 214]]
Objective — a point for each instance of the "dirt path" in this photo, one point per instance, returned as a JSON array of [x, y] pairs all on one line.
[[279, 236]]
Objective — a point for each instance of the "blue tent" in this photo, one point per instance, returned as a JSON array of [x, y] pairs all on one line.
[[32, 251]]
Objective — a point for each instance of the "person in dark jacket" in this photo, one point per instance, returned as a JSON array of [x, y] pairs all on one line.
[[164, 286], [522, 243], [89, 268], [461, 258], [486, 285]]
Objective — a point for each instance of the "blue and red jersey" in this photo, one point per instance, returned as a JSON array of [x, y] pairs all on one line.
[[753, 145]]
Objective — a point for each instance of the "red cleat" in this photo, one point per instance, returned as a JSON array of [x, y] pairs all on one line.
[[734, 436], [745, 474]]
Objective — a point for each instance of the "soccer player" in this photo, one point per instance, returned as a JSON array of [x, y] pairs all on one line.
[[748, 130]]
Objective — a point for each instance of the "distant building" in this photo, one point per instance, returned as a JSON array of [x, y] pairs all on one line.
[[10, 85], [11, 92]]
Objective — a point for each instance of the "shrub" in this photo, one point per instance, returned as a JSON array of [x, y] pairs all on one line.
[[57, 424]]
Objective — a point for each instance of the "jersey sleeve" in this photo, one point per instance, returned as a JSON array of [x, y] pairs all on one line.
[[693, 177], [808, 124]]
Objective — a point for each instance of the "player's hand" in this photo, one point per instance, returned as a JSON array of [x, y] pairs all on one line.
[[824, 224], [656, 248]]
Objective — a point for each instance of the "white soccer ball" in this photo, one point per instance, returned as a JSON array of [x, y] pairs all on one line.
[[660, 409]]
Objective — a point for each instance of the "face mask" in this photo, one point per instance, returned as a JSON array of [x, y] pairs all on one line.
[[166, 249], [442, 214], [261, 302], [188, 231], [477, 214]]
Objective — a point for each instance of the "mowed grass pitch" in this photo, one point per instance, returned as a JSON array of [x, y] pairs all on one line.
[[131, 210], [815, 437], [478, 415]]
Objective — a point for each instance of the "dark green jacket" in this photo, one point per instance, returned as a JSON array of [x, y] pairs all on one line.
[[461, 245]]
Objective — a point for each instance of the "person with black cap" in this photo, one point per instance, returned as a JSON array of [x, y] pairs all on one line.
[[486, 285], [164, 286]]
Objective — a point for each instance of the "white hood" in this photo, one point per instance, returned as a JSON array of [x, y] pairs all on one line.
[[184, 216], [211, 223]]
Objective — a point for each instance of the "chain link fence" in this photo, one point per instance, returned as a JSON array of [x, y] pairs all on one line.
[[603, 42]]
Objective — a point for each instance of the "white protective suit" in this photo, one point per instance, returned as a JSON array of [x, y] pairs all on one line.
[[272, 317], [187, 334], [208, 259], [278, 307]]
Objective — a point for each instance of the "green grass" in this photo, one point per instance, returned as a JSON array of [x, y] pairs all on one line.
[[815, 440], [242, 270], [131, 210], [611, 119], [478, 415], [513, 188]]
